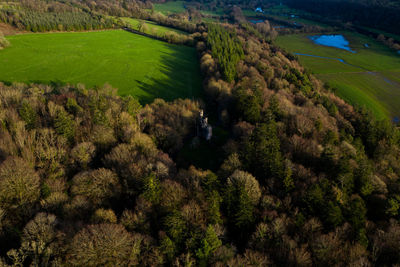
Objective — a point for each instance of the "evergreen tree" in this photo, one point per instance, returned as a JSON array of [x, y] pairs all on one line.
[[262, 152]]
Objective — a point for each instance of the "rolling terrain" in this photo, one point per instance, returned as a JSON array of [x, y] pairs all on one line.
[[369, 77], [136, 65], [170, 7], [255, 162]]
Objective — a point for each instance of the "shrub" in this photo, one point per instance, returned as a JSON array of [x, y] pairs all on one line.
[[3, 41]]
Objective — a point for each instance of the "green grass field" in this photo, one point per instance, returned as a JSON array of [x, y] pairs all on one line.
[[370, 78], [210, 20], [218, 12], [170, 7], [136, 65], [282, 9], [152, 27], [250, 13]]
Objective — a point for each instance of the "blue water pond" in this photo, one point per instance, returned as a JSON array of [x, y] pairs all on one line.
[[333, 40], [255, 21]]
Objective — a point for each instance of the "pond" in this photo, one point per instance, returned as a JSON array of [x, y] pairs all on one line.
[[279, 27], [332, 40], [255, 21]]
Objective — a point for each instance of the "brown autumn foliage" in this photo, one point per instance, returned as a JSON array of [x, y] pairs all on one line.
[[305, 178]]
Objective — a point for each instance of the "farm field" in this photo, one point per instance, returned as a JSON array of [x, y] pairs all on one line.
[[282, 9], [370, 77], [136, 65], [250, 13], [218, 12], [210, 20], [152, 27], [170, 7]]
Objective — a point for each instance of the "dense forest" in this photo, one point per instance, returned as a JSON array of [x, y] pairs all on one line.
[[41, 16], [306, 147], [38, 16], [383, 15], [89, 178]]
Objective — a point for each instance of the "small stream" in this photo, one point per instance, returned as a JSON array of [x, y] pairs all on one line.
[[333, 58], [330, 58]]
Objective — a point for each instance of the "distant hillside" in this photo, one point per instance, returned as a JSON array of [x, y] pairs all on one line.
[[370, 13]]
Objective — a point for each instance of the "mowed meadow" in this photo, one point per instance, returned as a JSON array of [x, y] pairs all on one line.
[[170, 7], [151, 27], [139, 66], [369, 77]]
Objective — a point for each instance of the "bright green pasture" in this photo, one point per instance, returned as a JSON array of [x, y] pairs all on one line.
[[393, 75], [136, 65], [210, 20], [250, 13], [170, 7], [218, 12], [283, 9], [371, 89], [370, 78], [325, 66], [152, 27], [375, 58]]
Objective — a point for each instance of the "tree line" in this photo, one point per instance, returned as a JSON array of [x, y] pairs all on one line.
[[40, 16], [226, 48], [53, 21], [168, 36]]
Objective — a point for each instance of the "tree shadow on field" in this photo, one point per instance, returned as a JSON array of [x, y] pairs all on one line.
[[182, 75], [183, 79]]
